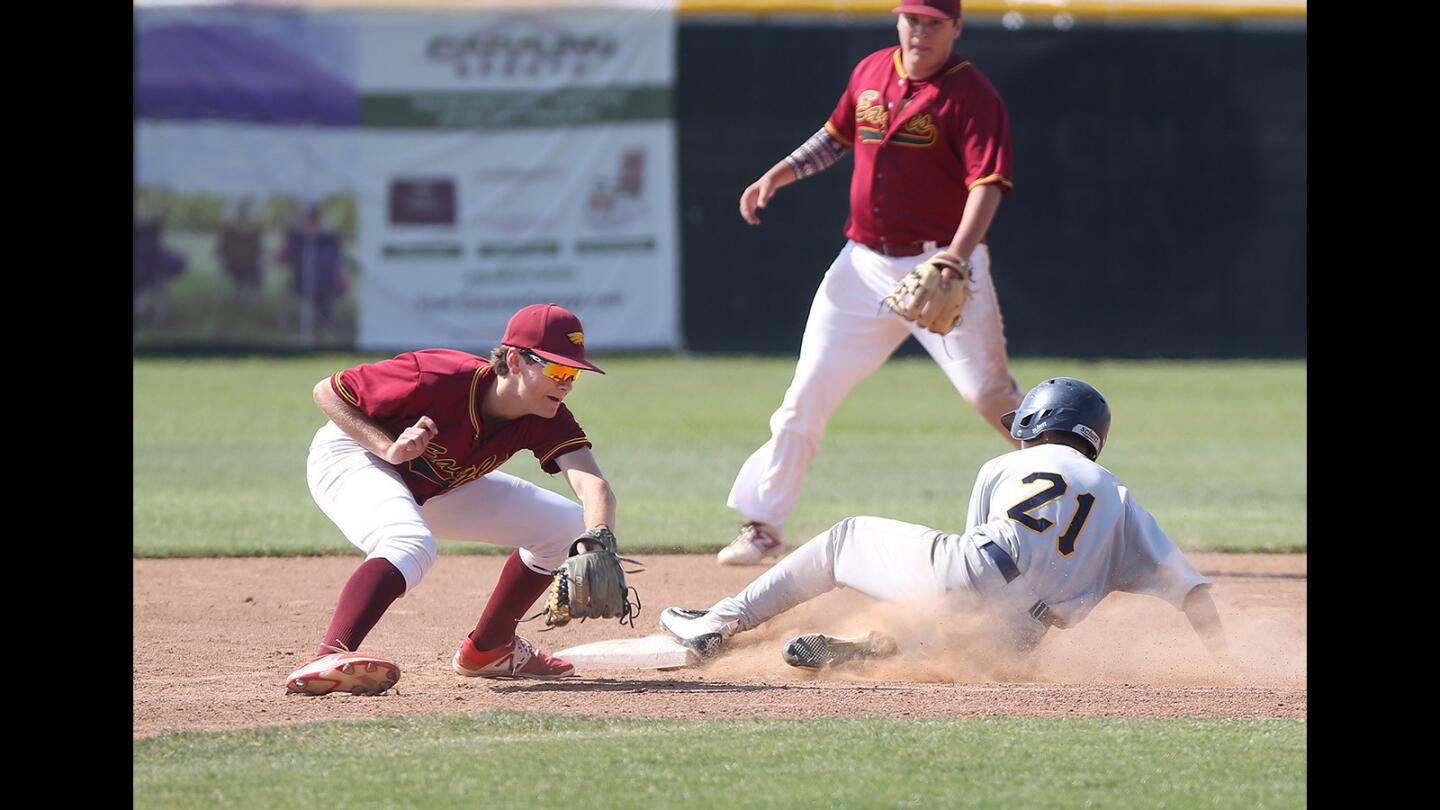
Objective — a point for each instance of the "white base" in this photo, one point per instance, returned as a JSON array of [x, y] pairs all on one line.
[[650, 652]]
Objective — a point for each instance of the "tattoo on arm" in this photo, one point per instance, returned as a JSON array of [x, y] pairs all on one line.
[[816, 155]]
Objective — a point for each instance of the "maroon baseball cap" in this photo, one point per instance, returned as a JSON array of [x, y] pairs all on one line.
[[944, 9], [550, 331]]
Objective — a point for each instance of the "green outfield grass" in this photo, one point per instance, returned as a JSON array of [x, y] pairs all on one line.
[[527, 761], [1217, 450]]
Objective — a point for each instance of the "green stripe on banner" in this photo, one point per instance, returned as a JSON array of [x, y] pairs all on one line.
[[515, 110], [513, 250], [449, 250], [640, 245]]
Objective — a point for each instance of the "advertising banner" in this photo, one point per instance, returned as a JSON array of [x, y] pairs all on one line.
[[388, 180], [516, 158]]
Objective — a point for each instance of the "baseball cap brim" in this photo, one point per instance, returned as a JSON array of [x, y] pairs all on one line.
[[572, 362], [924, 11]]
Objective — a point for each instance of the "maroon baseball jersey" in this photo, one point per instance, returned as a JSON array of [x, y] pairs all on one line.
[[914, 171], [447, 386]]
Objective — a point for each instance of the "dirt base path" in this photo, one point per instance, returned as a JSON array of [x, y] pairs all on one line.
[[214, 640]]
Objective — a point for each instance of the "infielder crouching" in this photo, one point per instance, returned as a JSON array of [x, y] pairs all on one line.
[[410, 454], [1049, 534]]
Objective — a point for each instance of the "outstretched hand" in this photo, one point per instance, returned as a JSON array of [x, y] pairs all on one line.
[[757, 195]]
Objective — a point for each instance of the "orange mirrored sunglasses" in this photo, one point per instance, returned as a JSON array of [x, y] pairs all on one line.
[[555, 371]]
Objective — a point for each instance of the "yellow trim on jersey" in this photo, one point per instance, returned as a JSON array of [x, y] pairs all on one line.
[[562, 446], [900, 66], [994, 178], [344, 392], [835, 133], [915, 140], [474, 403]]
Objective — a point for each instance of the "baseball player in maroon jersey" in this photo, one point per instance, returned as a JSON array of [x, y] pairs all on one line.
[[410, 454], [931, 139]]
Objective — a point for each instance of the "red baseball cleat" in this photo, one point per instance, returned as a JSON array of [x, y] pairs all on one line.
[[518, 659], [342, 671]]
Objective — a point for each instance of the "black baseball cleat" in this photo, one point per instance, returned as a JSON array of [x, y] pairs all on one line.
[[694, 629], [813, 650]]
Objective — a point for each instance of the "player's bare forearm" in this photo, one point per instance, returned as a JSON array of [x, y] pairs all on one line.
[[1200, 610], [583, 475], [598, 500], [396, 450], [980, 209], [779, 176]]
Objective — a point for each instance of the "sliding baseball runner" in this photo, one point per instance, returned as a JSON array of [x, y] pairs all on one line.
[[1048, 534]]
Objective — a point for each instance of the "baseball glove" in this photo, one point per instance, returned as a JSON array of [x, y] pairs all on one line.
[[922, 297], [591, 584]]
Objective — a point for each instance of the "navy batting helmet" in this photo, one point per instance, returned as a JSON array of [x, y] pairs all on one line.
[[1062, 403]]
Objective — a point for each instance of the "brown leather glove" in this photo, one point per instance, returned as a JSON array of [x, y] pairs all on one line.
[[927, 298]]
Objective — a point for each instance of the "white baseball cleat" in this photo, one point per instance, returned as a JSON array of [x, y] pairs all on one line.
[[755, 542], [343, 671], [695, 629], [813, 650]]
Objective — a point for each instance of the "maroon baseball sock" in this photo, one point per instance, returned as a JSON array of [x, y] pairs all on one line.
[[516, 591], [371, 589]]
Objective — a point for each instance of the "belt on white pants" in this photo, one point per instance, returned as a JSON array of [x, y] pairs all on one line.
[[1039, 611], [903, 248]]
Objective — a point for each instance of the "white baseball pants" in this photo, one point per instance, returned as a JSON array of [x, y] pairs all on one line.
[[849, 335], [891, 561], [368, 500]]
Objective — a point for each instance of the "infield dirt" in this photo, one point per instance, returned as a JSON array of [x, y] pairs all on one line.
[[215, 638]]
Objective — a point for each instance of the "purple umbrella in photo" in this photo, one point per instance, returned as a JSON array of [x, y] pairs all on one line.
[[191, 71]]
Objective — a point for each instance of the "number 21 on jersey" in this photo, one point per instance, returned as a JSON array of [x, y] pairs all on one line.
[[1020, 512]]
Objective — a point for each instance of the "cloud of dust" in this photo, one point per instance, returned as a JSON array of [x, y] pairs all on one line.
[[1127, 639]]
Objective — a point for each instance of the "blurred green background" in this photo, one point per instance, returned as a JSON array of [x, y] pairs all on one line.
[[1216, 449]]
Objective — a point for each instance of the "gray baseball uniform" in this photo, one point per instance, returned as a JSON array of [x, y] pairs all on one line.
[[1049, 534]]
